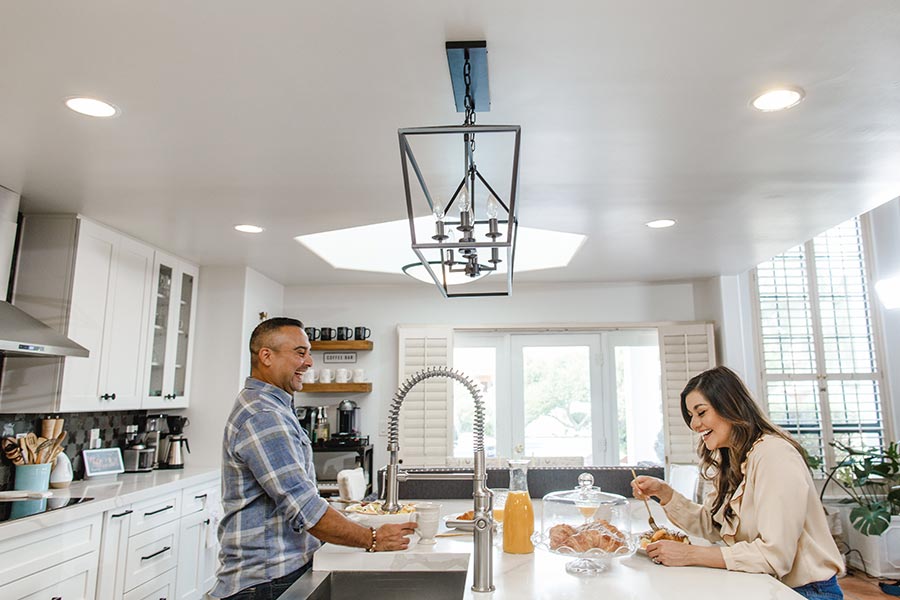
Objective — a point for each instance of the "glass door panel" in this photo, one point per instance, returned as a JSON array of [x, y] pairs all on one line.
[[638, 394], [184, 327], [479, 364], [160, 332]]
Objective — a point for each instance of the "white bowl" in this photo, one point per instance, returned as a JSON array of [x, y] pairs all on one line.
[[376, 521]]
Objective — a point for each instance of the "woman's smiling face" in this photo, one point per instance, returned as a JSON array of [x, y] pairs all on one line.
[[714, 430]]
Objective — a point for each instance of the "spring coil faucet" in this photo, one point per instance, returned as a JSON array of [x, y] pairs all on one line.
[[482, 496]]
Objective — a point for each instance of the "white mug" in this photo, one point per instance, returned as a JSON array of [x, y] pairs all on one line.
[[325, 375], [428, 514], [309, 376], [359, 375], [342, 376]]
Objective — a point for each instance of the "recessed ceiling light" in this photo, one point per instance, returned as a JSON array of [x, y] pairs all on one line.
[[660, 223], [779, 99], [249, 228], [92, 107]]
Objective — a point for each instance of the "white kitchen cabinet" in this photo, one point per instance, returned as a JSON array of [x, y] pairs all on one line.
[[151, 553], [161, 587], [198, 552], [111, 578], [72, 580], [171, 340], [92, 284]]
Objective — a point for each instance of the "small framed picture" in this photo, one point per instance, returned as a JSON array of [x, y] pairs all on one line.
[[102, 461]]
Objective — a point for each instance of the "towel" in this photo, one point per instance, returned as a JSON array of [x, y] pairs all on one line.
[[351, 484], [215, 512]]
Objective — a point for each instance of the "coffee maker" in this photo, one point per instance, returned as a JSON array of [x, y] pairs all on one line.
[[174, 455], [155, 429], [348, 427]]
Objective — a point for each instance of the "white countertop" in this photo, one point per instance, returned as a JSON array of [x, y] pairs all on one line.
[[543, 575], [108, 494]]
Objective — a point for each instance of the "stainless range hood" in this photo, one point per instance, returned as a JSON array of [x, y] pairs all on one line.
[[20, 333]]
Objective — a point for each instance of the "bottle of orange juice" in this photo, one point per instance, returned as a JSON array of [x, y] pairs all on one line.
[[518, 514]]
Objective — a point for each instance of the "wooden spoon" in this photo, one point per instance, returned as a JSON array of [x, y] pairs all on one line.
[[12, 451]]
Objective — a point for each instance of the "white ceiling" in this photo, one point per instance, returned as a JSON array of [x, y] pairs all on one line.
[[285, 114]]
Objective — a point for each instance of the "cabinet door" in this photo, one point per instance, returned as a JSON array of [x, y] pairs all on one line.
[[192, 544], [94, 264], [111, 577], [171, 339], [158, 588], [72, 580], [122, 365], [150, 554]]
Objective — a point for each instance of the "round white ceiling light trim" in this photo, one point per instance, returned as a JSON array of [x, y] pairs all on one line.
[[249, 228], [660, 223], [778, 99], [92, 107]]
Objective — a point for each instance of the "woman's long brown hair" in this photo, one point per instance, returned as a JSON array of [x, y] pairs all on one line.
[[730, 398]]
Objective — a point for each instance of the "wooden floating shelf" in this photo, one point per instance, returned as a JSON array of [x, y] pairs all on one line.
[[342, 345], [337, 388]]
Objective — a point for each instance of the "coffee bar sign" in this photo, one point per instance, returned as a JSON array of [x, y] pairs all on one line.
[[338, 357]]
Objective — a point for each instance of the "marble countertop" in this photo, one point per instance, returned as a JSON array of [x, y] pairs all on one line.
[[542, 575], [108, 494]]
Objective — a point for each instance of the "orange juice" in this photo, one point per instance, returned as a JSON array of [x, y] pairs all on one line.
[[587, 511], [518, 524], [498, 515]]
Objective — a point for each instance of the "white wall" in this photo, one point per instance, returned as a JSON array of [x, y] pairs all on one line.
[[228, 306], [383, 308]]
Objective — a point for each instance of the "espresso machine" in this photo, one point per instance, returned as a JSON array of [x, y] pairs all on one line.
[[348, 427], [155, 430], [174, 455]]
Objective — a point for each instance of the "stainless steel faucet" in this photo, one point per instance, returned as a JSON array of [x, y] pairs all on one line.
[[483, 576]]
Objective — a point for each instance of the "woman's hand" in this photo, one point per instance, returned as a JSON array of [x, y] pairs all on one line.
[[393, 536], [678, 554], [644, 487]]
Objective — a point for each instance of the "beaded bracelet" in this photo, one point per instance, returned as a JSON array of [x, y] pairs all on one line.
[[372, 547]]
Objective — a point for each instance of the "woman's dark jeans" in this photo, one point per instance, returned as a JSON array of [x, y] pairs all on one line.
[[821, 590], [271, 589]]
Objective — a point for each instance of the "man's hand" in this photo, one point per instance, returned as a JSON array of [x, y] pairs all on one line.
[[393, 536]]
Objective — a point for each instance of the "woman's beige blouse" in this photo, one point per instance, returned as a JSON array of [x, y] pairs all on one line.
[[778, 526]]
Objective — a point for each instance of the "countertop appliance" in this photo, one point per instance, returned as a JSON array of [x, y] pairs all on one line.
[[330, 461], [138, 459]]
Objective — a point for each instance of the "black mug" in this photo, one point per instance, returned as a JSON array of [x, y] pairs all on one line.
[[327, 334], [361, 333], [344, 333], [312, 333]]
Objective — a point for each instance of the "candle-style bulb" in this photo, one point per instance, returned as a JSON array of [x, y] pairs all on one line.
[[493, 207], [438, 210], [464, 203]]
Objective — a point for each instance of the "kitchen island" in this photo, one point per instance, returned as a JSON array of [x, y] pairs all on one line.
[[542, 575]]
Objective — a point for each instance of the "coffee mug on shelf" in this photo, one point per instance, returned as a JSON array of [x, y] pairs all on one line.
[[326, 375], [342, 376], [359, 375], [312, 333], [361, 333], [327, 334], [309, 376], [344, 333]]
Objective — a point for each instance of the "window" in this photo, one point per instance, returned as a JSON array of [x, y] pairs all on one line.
[[591, 395], [818, 356]]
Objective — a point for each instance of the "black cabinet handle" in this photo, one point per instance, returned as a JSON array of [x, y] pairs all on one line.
[[206, 522], [156, 512], [127, 512], [200, 497], [108, 396], [169, 396], [166, 549]]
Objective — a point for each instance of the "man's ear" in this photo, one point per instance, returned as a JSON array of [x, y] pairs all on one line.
[[264, 356]]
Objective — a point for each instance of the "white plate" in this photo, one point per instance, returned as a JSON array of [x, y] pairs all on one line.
[[453, 523]]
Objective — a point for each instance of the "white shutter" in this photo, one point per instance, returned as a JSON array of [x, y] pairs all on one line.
[[425, 414], [685, 351]]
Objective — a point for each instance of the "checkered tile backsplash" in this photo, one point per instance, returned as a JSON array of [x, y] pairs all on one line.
[[111, 426]]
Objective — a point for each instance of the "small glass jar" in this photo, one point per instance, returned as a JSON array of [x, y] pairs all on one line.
[[518, 513], [588, 524]]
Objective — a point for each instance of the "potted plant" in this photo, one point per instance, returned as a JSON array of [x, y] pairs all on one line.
[[871, 479]]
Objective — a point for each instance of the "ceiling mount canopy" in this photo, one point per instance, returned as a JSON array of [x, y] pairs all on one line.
[[482, 235]]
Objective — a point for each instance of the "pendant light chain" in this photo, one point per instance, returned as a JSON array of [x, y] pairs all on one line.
[[469, 99]]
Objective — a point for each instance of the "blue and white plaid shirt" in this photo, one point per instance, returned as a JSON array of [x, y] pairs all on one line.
[[269, 493]]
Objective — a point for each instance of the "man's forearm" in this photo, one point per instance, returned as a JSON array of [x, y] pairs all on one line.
[[336, 529]]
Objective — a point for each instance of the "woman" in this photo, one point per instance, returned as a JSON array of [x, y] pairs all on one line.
[[764, 506]]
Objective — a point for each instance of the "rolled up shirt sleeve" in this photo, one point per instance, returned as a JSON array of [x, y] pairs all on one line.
[[272, 450], [692, 518], [779, 496]]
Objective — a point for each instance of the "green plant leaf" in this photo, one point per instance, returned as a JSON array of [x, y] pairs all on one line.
[[872, 519]]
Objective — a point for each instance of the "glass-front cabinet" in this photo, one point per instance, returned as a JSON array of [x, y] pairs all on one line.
[[171, 336]]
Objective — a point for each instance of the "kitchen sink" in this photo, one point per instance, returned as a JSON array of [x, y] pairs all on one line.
[[378, 585]]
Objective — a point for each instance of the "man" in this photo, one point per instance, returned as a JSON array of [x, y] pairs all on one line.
[[274, 517]]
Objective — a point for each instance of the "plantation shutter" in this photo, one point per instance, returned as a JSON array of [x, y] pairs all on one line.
[[425, 415], [685, 351]]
